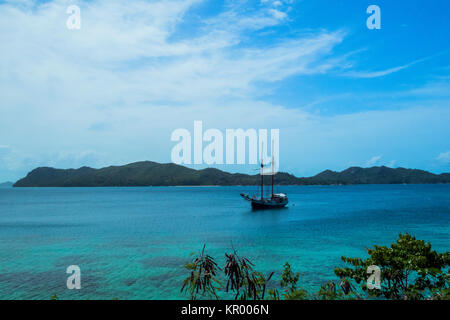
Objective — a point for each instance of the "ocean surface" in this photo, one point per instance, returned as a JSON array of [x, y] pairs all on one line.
[[133, 243]]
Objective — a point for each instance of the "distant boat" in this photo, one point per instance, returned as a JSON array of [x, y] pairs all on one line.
[[275, 200]]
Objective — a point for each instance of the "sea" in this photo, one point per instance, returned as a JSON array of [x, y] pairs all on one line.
[[133, 242]]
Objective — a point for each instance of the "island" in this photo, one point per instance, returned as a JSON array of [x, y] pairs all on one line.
[[149, 173]]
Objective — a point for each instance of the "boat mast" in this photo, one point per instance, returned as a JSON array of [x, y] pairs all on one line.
[[272, 168], [262, 168]]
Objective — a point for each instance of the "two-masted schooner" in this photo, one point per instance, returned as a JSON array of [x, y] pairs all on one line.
[[275, 200]]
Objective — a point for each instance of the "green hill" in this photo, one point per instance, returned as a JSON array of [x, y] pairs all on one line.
[[149, 173], [379, 175]]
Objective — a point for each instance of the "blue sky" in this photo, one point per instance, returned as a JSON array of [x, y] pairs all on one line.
[[112, 92]]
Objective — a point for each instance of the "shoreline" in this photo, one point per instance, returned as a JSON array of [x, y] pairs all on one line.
[[217, 186]]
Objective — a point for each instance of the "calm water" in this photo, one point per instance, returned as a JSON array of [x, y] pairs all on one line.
[[132, 243]]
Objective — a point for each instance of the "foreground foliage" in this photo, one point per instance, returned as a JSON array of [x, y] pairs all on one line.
[[409, 269], [245, 282], [202, 279]]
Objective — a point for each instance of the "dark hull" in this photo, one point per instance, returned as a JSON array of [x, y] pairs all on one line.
[[259, 205], [266, 203]]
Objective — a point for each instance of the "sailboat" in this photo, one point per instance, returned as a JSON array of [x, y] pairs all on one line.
[[275, 200]]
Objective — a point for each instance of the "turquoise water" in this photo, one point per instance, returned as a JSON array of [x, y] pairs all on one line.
[[132, 243]]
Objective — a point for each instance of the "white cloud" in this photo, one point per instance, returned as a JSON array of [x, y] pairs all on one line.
[[444, 157], [373, 161], [391, 163], [434, 89], [130, 71], [140, 61], [376, 74], [112, 92], [278, 14]]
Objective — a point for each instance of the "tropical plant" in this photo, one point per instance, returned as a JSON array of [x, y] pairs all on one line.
[[54, 297], [289, 281], [329, 291], [243, 280], [410, 270], [202, 279], [343, 290]]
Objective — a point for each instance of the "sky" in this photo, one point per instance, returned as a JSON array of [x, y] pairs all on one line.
[[113, 91]]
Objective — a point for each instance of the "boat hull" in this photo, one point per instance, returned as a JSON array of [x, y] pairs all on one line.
[[267, 205]]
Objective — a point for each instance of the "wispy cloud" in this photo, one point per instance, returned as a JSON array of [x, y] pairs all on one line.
[[373, 161], [391, 163], [141, 60], [381, 73], [444, 157], [375, 74], [136, 71], [131, 65], [378, 161]]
